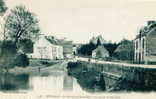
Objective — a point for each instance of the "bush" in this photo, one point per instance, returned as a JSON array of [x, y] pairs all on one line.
[[86, 49], [8, 48], [47, 63], [7, 54], [21, 60]]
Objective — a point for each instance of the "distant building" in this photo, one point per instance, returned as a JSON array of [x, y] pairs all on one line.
[[145, 45], [67, 48], [100, 52], [75, 48], [47, 47]]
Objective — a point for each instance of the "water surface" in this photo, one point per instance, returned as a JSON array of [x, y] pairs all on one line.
[[56, 82]]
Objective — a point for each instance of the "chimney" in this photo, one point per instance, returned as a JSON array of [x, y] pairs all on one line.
[[150, 22]]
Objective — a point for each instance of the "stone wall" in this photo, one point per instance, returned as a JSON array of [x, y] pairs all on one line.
[[144, 77]]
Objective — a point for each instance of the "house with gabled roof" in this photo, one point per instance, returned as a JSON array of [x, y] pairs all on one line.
[[100, 52], [47, 47]]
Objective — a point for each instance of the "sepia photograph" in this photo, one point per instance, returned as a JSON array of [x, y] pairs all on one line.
[[77, 49]]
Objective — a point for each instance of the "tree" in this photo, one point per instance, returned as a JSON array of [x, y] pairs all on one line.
[[111, 47], [20, 23], [125, 50], [86, 49], [21, 60], [8, 52], [26, 45], [3, 7]]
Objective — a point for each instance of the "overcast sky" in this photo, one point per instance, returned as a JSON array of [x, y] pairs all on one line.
[[80, 20]]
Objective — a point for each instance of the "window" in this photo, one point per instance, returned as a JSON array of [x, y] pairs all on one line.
[[42, 51], [54, 49], [136, 57], [143, 43], [136, 44]]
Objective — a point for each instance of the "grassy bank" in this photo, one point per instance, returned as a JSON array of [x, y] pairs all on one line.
[[35, 67]]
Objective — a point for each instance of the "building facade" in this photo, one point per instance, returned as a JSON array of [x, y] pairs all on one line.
[[100, 52], [47, 48], [144, 44], [67, 48]]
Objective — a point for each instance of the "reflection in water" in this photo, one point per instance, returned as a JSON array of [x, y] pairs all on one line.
[[68, 83], [46, 83], [54, 83], [13, 82], [51, 83]]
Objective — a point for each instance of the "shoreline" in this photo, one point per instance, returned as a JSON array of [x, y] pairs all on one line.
[[33, 70]]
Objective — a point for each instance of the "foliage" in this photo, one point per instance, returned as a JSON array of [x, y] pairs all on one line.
[[10, 57], [3, 7], [86, 76], [20, 27], [124, 51], [47, 62], [20, 24], [26, 45], [111, 48], [8, 48], [86, 49], [21, 60], [8, 52]]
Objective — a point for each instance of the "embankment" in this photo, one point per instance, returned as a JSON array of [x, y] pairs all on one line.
[[117, 77]]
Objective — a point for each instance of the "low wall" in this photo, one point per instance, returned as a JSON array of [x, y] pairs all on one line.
[[137, 75]]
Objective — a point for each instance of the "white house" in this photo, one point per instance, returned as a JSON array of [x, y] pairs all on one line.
[[47, 48], [100, 52]]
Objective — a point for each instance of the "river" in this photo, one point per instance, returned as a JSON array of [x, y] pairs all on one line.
[[55, 82]]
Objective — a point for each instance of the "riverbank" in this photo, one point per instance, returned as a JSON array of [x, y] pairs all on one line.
[[116, 77], [35, 68], [89, 79]]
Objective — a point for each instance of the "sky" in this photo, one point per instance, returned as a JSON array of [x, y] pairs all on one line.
[[80, 20]]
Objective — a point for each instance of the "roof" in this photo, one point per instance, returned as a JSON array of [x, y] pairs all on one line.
[[145, 30], [67, 46], [100, 48], [63, 42], [52, 40]]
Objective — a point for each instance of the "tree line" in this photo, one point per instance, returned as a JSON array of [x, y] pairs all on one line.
[[118, 51]]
